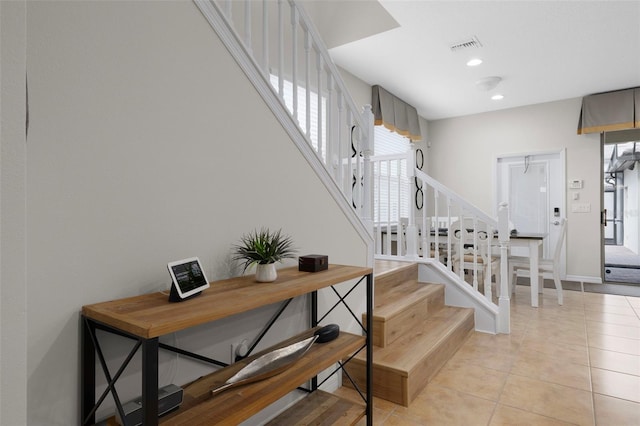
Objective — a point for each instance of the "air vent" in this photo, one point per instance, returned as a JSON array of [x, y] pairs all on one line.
[[471, 43]]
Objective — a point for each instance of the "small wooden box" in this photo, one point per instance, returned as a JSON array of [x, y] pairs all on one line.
[[313, 263]]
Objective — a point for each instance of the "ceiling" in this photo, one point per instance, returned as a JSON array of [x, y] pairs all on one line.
[[543, 50]]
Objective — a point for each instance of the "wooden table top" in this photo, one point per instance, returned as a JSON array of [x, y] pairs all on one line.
[[152, 315]]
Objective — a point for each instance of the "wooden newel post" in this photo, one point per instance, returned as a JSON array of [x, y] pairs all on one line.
[[504, 302]]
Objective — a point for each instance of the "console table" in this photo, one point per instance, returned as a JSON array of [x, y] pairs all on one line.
[[147, 317]]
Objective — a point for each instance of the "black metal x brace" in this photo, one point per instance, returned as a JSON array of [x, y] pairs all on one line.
[[315, 321], [266, 328], [111, 381], [91, 326], [341, 300], [341, 367], [193, 355], [353, 382]]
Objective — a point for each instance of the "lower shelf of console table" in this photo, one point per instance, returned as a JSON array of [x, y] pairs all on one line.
[[238, 404]]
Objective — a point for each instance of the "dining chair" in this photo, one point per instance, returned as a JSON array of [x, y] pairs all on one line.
[[548, 268], [475, 253]]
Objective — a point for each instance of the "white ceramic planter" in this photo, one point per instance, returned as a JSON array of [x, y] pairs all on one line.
[[266, 273]]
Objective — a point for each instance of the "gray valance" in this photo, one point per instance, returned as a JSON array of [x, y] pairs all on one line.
[[606, 112], [395, 114]]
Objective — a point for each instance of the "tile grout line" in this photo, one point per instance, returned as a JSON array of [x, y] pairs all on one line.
[[586, 330]]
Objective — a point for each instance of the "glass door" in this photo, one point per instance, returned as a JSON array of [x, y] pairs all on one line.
[[621, 207]]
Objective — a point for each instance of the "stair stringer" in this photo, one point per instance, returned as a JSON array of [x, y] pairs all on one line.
[[460, 293], [251, 69]]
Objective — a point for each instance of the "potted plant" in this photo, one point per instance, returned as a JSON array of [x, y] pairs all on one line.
[[264, 248]]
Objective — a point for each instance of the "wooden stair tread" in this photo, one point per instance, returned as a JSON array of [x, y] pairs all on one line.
[[393, 272], [408, 350], [403, 287], [401, 297], [385, 267]]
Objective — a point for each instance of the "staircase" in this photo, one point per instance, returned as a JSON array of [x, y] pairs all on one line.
[[414, 333], [279, 49]]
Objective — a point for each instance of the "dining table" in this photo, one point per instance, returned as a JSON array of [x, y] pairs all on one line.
[[533, 242]]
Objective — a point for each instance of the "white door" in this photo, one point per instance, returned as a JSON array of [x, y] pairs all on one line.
[[534, 187]]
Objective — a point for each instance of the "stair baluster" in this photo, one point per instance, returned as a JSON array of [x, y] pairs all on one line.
[[287, 53], [336, 139]]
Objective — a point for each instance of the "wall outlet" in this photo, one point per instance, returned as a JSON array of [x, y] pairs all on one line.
[[238, 350], [232, 353]]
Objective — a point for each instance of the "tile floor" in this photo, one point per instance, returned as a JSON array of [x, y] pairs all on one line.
[[576, 364]]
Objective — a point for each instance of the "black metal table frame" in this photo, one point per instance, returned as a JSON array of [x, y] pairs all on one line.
[[90, 347]]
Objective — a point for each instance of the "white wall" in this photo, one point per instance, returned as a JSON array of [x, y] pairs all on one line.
[[463, 151], [13, 293], [147, 144]]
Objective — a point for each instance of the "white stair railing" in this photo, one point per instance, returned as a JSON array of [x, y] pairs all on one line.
[[281, 52], [391, 209], [448, 230], [286, 51]]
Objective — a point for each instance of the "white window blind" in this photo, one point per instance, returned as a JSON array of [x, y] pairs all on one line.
[[391, 177], [388, 142], [287, 94]]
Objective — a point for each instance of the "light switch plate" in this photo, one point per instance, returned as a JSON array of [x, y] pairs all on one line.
[[581, 208], [575, 184]]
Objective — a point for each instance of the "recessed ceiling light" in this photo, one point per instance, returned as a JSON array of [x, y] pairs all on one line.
[[474, 62], [497, 97]]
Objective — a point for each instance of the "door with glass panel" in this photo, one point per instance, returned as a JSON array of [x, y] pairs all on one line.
[[620, 207], [534, 187]]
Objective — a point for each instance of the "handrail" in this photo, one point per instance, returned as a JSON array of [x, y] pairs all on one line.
[[315, 35], [282, 53], [477, 248], [455, 197], [336, 139]]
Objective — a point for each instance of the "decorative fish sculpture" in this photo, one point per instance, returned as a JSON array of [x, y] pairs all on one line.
[[267, 365]]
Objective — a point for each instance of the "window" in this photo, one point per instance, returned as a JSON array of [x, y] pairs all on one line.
[[391, 192], [390, 176], [388, 142], [287, 94]]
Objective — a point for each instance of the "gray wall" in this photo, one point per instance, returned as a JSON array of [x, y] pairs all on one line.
[[147, 144], [463, 153], [13, 293]]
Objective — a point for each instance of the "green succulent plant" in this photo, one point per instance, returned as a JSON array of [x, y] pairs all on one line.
[[263, 247]]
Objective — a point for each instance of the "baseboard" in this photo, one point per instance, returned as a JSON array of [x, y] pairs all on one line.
[[584, 279]]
